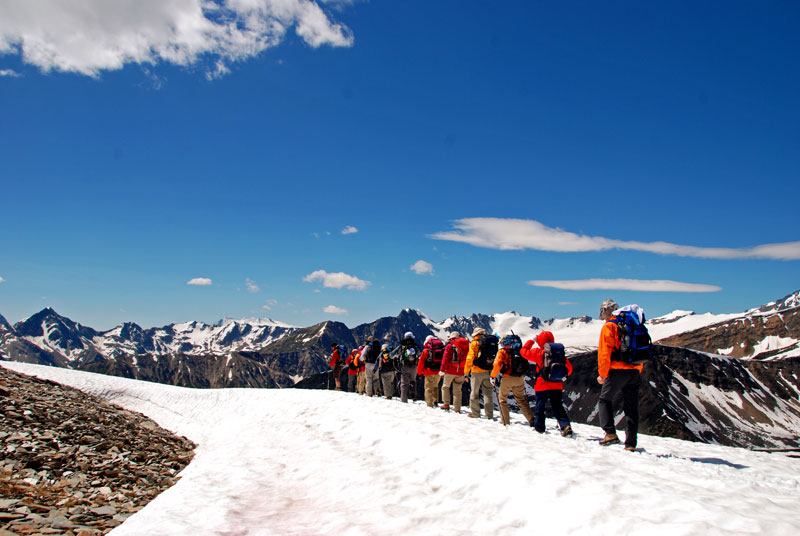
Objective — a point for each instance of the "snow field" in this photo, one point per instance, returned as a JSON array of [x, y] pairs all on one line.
[[321, 462]]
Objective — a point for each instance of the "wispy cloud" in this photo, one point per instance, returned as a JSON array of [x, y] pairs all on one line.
[[639, 285], [95, 35], [2, 280], [516, 234], [251, 286], [9, 73], [332, 309], [422, 268], [199, 281], [337, 280], [349, 230], [269, 304], [567, 303]]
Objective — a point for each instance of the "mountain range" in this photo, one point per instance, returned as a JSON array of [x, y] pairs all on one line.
[[712, 372]]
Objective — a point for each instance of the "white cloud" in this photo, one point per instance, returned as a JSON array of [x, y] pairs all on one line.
[[516, 234], [349, 230], [639, 285], [199, 281], [421, 267], [2, 280], [251, 286], [270, 304], [337, 280], [567, 303], [11, 73], [332, 309], [90, 36]]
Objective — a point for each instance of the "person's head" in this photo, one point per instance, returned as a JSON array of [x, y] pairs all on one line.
[[385, 347], [478, 332], [453, 336], [408, 335], [544, 337], [607, 308], [333, 346]]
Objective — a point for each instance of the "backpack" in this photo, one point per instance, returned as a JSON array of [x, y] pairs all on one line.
[[374, 352], [408, 355], [554, 363], [487, 351], [518, 365], [388, 363], [342, 352], [454, 356], [435, 349], [634, 348]]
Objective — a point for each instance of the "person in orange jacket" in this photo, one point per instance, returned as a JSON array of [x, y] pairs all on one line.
[[512, 382], [430, 370], [546, 390], [615, 376]]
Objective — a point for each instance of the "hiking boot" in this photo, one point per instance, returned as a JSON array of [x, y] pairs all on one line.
[[630, 448], [471, 416], [609, 439], [446, 407], [567, 431]]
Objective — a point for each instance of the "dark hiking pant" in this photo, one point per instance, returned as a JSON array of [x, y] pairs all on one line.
[[627, 381], [554, 396], [408, 376], [351, 382]]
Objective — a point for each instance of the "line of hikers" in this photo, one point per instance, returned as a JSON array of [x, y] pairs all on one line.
[[375, 368]]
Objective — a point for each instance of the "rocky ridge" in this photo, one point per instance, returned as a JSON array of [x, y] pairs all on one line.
[[74, 464]]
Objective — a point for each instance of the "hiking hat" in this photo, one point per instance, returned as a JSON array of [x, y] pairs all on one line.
[[408, 335], [453, 335], [385, 347], [478, 331]]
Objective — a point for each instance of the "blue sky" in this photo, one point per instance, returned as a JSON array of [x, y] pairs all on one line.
[[298, 162]]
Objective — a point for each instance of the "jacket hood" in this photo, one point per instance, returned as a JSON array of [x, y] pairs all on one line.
[[544, 337]]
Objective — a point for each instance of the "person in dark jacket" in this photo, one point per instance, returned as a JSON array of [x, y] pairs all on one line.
[[407, 355], [387, 367], [337, 363]]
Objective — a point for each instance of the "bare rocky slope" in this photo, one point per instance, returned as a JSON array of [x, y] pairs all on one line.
[[74, 464]]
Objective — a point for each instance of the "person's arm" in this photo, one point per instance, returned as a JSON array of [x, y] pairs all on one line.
[[471, 355], [498, 362], [605, 347]]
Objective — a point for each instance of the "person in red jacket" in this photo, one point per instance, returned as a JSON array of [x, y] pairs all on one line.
[[430, 369], [337, 363], [452, 370], [546, 390]]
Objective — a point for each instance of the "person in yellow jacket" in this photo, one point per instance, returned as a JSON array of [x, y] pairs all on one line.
[[480, 379], [615, 376]]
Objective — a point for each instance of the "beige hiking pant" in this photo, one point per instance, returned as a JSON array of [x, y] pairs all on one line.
[[457, 382], [516, 386], [431, 390]]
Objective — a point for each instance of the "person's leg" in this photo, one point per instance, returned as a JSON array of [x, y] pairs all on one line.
[[557, 403], [518, 390], [505, 388], [538, 412], [630, 405]]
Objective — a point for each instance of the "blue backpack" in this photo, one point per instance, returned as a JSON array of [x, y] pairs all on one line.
[[518, 365], [554, 363], [634, 348]]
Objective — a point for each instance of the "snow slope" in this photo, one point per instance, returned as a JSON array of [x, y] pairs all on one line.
[[320, 462]]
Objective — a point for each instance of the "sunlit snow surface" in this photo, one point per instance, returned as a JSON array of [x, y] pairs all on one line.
[[299, 462]]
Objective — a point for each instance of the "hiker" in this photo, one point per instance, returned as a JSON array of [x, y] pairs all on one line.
[[370, 356], [615, 376], [480, 359], [337, 363], [362, 375], [514, 368], [429, 365], [387, 368], [352, 370], [452, 370], [549, 384], [407, 354]]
